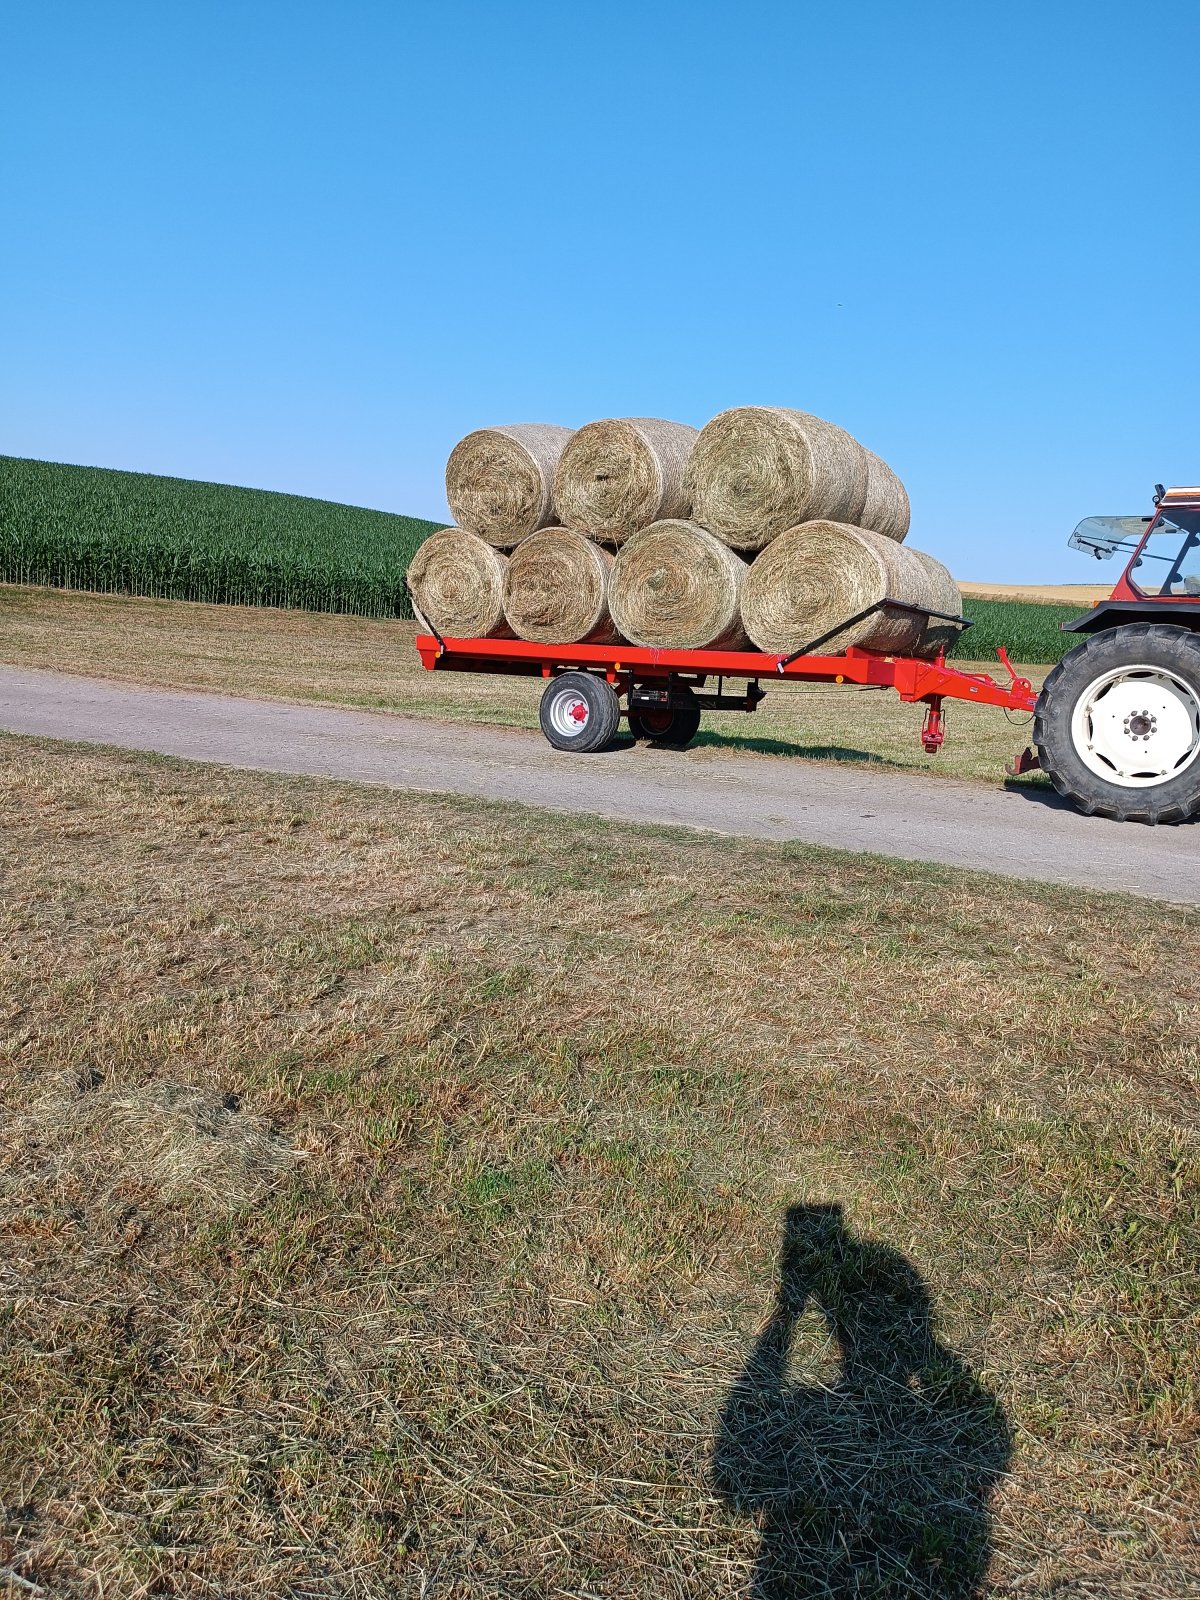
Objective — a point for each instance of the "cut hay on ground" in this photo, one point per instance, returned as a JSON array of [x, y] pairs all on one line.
[[757, 470], [886, 509], [622, 474], [457, 585], [182, 1141], [674, 586], [816, 575], [500, 481], [556, 589]]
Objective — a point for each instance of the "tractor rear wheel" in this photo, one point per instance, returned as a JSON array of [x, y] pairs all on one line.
[[1117, 724]]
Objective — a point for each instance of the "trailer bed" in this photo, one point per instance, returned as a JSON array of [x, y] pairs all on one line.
[[644, 675]]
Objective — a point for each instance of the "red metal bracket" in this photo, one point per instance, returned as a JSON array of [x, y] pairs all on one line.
[[1024, 761], [1024, 685]]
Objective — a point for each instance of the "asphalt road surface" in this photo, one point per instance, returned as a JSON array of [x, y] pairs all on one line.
[[1021, 832]]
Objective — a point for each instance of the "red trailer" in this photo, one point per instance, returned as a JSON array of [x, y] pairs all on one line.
[[662, 693]]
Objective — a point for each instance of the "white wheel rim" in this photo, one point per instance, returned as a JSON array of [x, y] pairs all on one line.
[[569, 713], [1137, 727]]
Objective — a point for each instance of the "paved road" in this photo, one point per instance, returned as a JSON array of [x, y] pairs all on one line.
[[1018, 832]]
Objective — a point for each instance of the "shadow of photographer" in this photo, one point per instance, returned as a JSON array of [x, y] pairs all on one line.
[[876, 1482]]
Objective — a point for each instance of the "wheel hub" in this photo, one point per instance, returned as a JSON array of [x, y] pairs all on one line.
[[1137, 726], [569, 713]]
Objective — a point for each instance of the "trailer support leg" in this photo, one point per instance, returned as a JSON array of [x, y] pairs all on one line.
[[933, 729]]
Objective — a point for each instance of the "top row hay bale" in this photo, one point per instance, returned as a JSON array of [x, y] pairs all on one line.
[[757, 470], [622, 474], [500, 481], [886, 509]]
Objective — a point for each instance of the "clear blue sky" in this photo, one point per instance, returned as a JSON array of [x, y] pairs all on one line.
[[308, 246]]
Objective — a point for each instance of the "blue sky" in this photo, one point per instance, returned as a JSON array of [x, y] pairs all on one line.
[[308, 246]]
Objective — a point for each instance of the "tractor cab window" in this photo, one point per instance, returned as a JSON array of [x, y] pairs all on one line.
[[1169, 561]]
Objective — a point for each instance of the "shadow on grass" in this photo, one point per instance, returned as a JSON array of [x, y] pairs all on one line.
[[876, 1482], [784, 747]]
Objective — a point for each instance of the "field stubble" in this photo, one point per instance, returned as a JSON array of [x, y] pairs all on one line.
[[392, 1194]]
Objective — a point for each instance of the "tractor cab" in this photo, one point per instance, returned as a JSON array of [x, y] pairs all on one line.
[[1161, 580]]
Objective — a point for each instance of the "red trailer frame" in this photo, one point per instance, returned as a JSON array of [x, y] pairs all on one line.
[[628, 667]]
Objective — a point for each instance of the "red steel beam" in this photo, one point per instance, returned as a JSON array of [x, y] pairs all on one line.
[[912, 679]]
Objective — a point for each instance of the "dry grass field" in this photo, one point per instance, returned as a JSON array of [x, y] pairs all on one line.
[[1050, 594], [409, 1197], [356, 661]]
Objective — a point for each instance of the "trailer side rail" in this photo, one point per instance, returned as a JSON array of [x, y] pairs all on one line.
[[912, 679]]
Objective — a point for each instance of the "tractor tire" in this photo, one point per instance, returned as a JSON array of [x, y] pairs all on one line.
[[672, 728], [1117, 724], [579, 712]]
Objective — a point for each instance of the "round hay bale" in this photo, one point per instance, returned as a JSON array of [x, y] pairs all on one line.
[[500, 481], [819, 574], [556, 589], [757, 470], [941, 593], [676, 587], [622, 474], [456, 580], [886, 509]]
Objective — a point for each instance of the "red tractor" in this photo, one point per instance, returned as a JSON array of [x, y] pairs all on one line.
[[1117, 725]]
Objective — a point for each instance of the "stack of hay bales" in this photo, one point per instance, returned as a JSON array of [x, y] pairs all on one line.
[[768, 529]]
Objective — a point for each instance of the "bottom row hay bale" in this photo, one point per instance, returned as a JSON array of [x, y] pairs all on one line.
[[941, 594], [456, 581], [556, 589], [675, 586], [815, 576]]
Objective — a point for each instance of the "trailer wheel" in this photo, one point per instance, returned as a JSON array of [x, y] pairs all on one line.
[[1117, 724], [579, 712], [671, 727]]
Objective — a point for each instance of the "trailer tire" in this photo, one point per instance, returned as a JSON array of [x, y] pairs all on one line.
[[579, 712], [672, 728], [1117, 724]]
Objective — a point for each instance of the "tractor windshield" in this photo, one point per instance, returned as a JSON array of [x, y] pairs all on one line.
[[1169, 561], [1104, 536]]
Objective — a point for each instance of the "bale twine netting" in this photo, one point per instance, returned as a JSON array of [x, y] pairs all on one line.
[[622, 474], [817, 575], [886, 509], [757, 470], [556, 589], [456, 580], [674, 586], [500, 481]]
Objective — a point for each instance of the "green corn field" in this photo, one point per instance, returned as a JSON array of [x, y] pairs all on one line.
[[1031, 631], [134, 533]]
